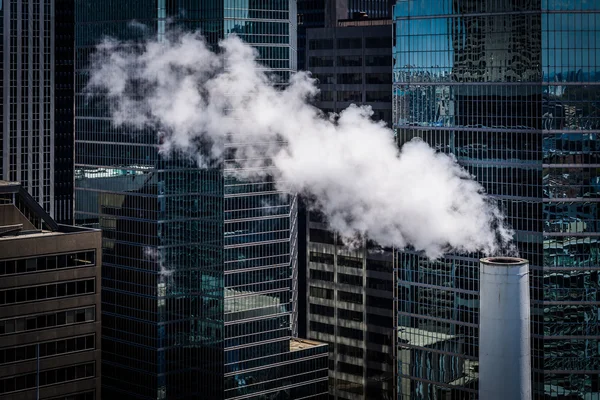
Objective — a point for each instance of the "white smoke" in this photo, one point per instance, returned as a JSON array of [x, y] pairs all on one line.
[[156, 256], [350, 165]]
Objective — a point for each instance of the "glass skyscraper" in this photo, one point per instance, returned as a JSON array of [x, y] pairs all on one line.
[[512, 89], [36, 101], [199, 282]]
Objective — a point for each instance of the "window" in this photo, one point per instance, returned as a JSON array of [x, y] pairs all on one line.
[[378, 338], [21, 295], [324, 79], [350, 315], [320, 61], [378, 43], [352, 262], [350, 79], [350, 350], [321, 293], [320, 44], [350, 43], [322, 310], [379, 320], [325, 95], [349, 95], [321, 236], [47, 349], [350, 368], [47, 377], [48, 320], [350, 279], [378, 61], [70, 260], [379, 302], [379, 96], [322, 258], [378, 78], [320, 327], [349, 61], [379, 265], [350, 333], [321, 275], [349, 297], [379, 284]]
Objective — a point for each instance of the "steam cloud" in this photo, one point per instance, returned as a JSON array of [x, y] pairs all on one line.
[[361, 182]]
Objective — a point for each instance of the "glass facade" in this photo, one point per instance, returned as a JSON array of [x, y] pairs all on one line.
[[36, 106], [512, 90], [199, 279]]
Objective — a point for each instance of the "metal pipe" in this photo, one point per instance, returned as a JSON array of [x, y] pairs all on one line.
[[504, 329]]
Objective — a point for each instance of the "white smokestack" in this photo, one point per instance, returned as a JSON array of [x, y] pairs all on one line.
[[504, 340], [351, 166]]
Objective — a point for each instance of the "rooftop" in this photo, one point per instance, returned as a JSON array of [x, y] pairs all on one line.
[[421, 337], [21, 215], [303, 344]]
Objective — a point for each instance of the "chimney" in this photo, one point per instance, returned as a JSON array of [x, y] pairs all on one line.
[[504, 329]]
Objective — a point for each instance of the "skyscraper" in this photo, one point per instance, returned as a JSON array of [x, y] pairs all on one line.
[[37, 101], [511, 89], [353, 65], [350, 291], [199, 279]]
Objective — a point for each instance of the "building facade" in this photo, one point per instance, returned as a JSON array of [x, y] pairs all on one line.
[[328, 13], [37, 101], [200, 268], [353, 65], [511, 89], [350, 306], [49, 303], [349, 291]]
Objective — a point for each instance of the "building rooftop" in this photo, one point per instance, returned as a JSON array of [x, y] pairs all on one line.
[[421, 337], [21, 215], [303, 344]]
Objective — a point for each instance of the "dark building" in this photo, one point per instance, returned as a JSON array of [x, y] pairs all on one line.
[[353, 65], [511, 89], [349, 295], [327, 13], [36, 109], [49, 303], [350, 306], [200, 269]]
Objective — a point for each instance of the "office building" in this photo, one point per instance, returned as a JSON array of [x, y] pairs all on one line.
[[49, 303], [350, 291], [328, 13], [353, 65], [510, 88], [350, 306], [200, 269], [36, 60]]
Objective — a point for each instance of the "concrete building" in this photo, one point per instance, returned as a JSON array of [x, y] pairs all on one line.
[[353, 65], [349, 298], [350, 306], [36, 101], [49, 303]]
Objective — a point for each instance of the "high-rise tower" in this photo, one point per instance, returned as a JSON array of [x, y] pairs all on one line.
[[511, 89], [199, 275], [36, 107]]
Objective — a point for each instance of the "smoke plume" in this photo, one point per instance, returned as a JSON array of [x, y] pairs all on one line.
[[361, 182]]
